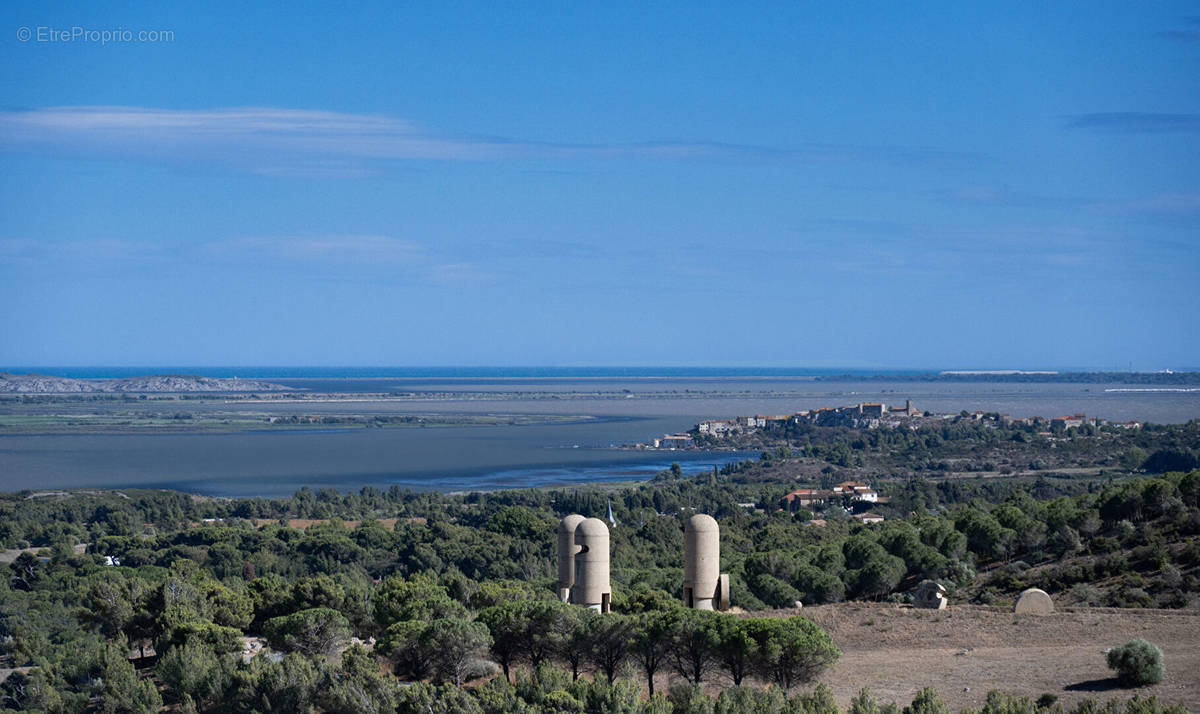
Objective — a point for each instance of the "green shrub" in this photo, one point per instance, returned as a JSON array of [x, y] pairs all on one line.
[[1047, 700], [866, 703], [1003, 703], [1137, 662], [316, 631], [774, 591], [927, 701], [1136, 705]]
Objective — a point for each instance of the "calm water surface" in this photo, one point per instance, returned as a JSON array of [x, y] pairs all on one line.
[[625, 410]]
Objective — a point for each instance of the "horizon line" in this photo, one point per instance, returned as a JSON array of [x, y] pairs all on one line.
[[951, 371]]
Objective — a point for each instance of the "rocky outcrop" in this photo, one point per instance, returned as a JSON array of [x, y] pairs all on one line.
[[930, 595], [173, 383]]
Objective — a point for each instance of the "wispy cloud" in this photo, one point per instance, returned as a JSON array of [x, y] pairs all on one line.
[[1190, 33], [270, 140], [941, 249], [1135, 122], [1173, 203], [352, 250], [461, 275], [335, 257], [1006, 196], [19, 251], [1180, 210], [105, 251]]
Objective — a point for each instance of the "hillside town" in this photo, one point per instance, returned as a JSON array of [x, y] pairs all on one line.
[[871, 415], [868, 415]]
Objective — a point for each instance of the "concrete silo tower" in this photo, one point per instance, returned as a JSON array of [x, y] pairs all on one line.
[[566, 555], [591, 587], [705, 587]]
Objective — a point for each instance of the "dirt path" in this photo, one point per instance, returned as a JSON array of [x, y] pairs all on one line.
[[966, 651]]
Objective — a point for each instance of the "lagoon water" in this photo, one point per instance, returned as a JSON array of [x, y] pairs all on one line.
[[277, 463], [621, 408]]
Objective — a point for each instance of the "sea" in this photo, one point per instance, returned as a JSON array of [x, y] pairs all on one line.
[[598, 413]]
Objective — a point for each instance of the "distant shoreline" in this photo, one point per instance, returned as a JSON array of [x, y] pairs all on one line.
[[242, 379], [284, 457], [170, 383]]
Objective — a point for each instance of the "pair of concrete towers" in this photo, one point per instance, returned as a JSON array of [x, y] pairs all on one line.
[[583, 564]]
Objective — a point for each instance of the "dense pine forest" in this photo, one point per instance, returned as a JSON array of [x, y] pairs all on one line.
[[383, 601]]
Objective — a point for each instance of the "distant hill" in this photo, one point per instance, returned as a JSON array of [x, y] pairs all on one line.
[[44, 384]]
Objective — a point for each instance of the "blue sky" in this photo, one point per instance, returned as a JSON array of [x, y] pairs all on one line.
[[602, 184]]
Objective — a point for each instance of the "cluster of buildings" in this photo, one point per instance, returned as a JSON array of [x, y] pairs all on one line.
[[865, 416], [875, 415], [805, 497], [718, 427], [852, 490], [1058, 423], [1066, 422], [675, 441], [868, 415], [871, 415]]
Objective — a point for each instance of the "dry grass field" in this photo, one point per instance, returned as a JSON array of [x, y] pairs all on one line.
[[965, 651]]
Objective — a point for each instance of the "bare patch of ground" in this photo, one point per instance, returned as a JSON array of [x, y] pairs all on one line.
[[966, 650], [6, 672], [9, 556]]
